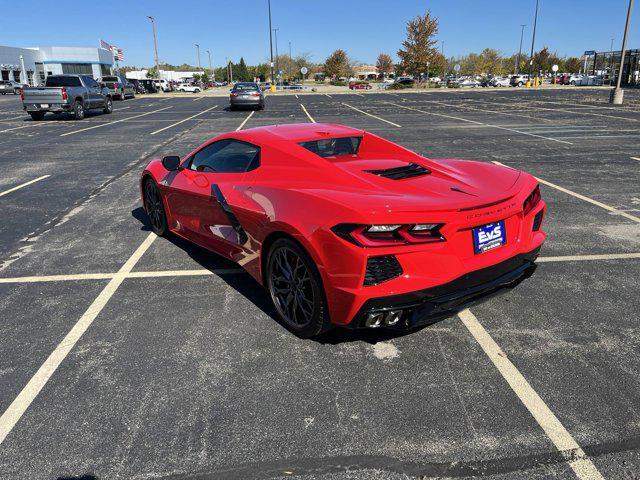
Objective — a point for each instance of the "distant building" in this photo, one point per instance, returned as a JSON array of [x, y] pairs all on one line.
[[39, 62], [170, 75], [607, 64], [366, 72]]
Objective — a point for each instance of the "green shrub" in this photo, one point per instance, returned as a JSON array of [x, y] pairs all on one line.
[[339, 83], [400, 86]]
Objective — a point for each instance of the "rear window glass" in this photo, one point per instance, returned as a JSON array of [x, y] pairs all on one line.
[[332, 147], [60, 81], [109, 79], [245, 86]]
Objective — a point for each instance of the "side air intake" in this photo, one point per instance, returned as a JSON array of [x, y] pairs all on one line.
[[400, 173]]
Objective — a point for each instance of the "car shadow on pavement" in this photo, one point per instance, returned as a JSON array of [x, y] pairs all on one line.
[[247, 286]]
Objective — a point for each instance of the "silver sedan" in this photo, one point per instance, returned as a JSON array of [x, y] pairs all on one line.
[[246, 94]]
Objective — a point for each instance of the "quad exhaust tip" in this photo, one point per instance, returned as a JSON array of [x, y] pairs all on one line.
[[379, 319]]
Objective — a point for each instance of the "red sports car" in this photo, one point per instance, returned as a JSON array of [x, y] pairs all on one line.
[[359, 86], [346, 228]]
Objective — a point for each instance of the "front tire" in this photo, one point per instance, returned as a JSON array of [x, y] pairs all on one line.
[[296, 289], [155, 208]]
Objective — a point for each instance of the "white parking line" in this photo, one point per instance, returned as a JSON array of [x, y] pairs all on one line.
[[582, 197], [328, 95], [197, 98], [635, 158], [31, 390], [23, 185], [561, 438], [307, 113], [370, 115], [480, 123], [112, 123], [182, 121], [296, 95], [245, 120], [583, 258], [358, 94]]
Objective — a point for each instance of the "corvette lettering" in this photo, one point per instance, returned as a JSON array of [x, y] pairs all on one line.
[[489, 213]]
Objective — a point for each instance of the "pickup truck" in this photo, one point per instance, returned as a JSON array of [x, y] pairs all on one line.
[[66, 93], [119, 87]]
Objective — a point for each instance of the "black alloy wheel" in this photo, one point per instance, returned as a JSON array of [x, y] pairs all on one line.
[[78, 110], [295, 286], [155, 208], [108, 105]]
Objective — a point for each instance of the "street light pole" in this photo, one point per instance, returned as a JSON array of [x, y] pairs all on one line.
[[533, 41], [213, 73], [444, 73], [618, 94], [271, 48], [520, 50], [277, 62], [290, 61], [198, 50], [155, 43]]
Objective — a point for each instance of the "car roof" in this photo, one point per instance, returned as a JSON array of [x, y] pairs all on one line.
[[298, 132]]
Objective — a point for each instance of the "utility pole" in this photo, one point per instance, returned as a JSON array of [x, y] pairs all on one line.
[[520, 50], [198, 50], [444, 73], [617, 94], [273, 88], [277, 62], [155, 43], [213, 73], [290, 61], [533, 41], [611, 63]]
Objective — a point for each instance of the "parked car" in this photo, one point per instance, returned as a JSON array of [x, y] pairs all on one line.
[[246, 94], [588, 80], [330, 220], [138, 87], [118, 86], [405, 81], [519, 80], [66, 93], [468, 82], [163, 85], [358, 85], [148, 85], [10, 86], [500, 82], [187, 87]]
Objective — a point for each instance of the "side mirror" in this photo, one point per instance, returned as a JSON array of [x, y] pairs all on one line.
[[171, 162]]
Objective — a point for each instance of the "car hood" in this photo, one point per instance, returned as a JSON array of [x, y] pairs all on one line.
[[450, 184]]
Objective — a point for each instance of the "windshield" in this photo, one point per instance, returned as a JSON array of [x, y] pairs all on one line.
[[62, 81], [332, 147]]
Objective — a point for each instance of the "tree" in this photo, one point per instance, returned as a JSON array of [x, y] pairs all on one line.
[[197, 77], [205, 77], [337, 64], [384, 64], [240, 71], [543, 60], [572, 65], [152, 72], [490, 62], [419, 49]]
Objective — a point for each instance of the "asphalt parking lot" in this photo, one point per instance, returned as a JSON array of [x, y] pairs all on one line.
[[123, 355]]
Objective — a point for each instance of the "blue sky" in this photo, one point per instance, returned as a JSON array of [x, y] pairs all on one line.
[[363, 29]]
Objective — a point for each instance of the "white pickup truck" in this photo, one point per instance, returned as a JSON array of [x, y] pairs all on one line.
[[66, 93]]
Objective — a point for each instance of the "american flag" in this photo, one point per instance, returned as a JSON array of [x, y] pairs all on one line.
[[117, 53], [105, 45]]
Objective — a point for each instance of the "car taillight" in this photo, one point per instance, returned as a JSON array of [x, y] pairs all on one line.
[[115, 85], [22, 94], [531, 201], [234, 94], [255, 94], [64, 94], [389, 235]]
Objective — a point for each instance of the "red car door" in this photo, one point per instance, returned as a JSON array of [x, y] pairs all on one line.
[[201, 195]]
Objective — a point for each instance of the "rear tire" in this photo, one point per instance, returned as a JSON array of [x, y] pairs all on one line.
[[122, 97], [78, 110], [37, 116], [154, 207], [108, 105], [296, 289]]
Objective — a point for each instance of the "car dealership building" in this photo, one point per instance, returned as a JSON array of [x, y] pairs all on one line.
[[38, 62]]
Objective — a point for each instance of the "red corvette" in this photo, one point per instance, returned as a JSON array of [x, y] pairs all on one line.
[[345, 228]]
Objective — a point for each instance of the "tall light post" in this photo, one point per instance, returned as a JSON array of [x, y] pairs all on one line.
[[275, 30], [444, 73], [617, 94], [273, 88], [290, 61], [198, 50], [533, 41], [155, 43], [213, 73], [519, 50], [611, 62]]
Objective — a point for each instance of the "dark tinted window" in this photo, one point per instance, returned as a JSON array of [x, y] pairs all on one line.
[[332, 147], [226, 156], [62, 81], [109, 79], [245, 87], [90, 82]]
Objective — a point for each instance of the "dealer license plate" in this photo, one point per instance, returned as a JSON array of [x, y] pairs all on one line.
[[44, 105], [488, 237]]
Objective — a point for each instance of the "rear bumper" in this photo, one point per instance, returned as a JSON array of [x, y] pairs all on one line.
[[423, 307], [239, 102], [52, 107]]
